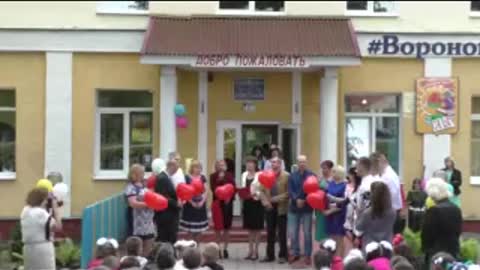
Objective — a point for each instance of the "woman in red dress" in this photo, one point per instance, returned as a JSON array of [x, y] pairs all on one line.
[[222, 211]]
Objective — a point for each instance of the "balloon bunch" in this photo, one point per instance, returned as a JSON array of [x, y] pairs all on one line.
[[180, 119], [59, 191], [186, 192], [315, 196]]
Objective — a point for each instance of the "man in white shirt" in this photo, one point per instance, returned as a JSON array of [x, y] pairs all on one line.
[[178, 177], [391, 179]]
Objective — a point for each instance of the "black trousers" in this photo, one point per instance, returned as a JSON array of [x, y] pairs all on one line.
[[276, 229], [167, 227], [399, 224]]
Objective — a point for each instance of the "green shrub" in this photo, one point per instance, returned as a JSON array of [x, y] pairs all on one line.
[[16, 244], [469, 250], [414, 241], [67, 254]]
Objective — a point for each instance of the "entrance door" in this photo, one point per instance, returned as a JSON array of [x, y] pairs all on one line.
[[236, 140], [257, 135]]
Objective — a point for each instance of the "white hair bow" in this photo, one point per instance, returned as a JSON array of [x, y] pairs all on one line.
[[371, 247], [330, 245], [386, 245], [185, 243], [103, 241]]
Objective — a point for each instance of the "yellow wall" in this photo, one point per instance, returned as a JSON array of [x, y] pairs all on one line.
[[91, 72], [412, 16], [65, 15], [25, 73], [187, 94], [310, 129], [221, 105], [467, 72], [387, 76]]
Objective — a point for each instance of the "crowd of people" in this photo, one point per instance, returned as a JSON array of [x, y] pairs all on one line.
[[365, 209]]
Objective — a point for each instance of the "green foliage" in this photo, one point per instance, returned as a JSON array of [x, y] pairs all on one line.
[[16, 244], [414, 241], [67, 254], [469, 249]]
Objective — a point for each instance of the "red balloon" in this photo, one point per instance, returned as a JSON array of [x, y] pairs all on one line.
[[225, 192], [185, 192], [267, 179], [197, 185], [310, 185], [317, 200], [155, 201], [230, 189], [151, 181]]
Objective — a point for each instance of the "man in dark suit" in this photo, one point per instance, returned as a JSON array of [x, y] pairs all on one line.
[[167, 220]]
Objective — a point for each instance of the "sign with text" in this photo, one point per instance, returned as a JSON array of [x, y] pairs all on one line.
[[249, 89], [258, 61], [437, 105], [398, 45]]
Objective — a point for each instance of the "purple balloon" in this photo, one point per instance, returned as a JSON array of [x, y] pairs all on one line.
[[182, 122]]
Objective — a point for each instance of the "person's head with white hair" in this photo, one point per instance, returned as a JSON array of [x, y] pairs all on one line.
[[302, 163], [440, 174], [339, 174], [158, 166], [437, 189]]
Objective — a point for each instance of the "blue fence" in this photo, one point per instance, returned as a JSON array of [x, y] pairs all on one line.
[[106, 218]]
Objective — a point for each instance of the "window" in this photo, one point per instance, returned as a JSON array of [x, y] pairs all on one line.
[[475, 6], [251, 7], [475, 142], [124, 132], [370, 8], [7, 134], [123, 7], [372, 124]]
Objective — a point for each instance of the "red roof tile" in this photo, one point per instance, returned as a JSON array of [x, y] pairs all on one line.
[[250, 36]]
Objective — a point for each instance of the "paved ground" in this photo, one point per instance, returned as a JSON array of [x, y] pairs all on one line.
[[236, 262]]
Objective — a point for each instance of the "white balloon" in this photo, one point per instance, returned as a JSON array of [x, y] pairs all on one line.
[[158, 166], [60, 191]]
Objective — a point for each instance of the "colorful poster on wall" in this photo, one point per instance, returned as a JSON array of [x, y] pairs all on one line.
[[437, 105]]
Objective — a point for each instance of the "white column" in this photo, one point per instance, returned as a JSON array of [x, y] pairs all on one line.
[[329, 115], [436, 147], [203, 118], [168, 99], [58, 119], [296, 97]]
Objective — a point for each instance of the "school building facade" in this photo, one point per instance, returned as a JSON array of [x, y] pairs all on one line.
[[88, 88]]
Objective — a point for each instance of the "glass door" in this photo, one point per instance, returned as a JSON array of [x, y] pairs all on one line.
[[257, 135], [229, 148], [290, 145], [358, 142]]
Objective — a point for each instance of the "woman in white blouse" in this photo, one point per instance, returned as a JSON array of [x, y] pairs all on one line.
[[37, 226]]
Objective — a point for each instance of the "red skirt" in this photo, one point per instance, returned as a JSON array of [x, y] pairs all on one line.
[[222, 215]]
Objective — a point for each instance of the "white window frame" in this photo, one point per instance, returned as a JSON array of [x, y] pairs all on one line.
[[369, 12], [372, 115], [103, 9], [251, 10], [10, 175], [474, 179], [125, 112]]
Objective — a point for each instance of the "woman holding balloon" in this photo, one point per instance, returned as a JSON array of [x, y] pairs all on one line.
[[320, 221], [222, 184], [142, 215], [194, 218], [252, 210]]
